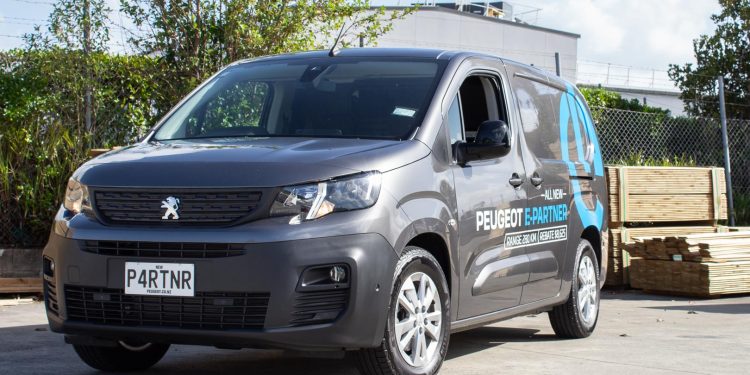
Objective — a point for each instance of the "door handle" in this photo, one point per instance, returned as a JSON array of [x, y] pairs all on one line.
[[536, 179], [515, 180]]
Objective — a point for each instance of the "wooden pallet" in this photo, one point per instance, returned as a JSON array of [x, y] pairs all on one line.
[[21, 285], [94, 152], [666, 194], [20, 270]]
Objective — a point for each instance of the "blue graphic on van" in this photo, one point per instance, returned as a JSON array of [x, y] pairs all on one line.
[[572, 113]]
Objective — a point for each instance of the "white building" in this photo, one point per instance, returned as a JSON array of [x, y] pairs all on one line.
[[493, 32]]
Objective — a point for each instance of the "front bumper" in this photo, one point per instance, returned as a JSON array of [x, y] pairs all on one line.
[[273, 269]]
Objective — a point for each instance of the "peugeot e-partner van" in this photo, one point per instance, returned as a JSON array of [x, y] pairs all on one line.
[[371, 201]]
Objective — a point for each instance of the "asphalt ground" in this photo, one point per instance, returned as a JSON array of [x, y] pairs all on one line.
[[637, 334]]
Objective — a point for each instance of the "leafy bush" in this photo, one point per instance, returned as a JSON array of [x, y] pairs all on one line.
[[42, 132], [742, 209], [639, 159], [599, 97]]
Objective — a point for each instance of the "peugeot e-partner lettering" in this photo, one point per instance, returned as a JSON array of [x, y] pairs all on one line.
[[371, 201]]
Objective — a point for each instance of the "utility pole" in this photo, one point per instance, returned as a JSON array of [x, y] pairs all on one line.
[[86, 53], [725, 140]]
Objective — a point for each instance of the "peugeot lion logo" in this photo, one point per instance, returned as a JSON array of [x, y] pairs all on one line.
[[172, 205]]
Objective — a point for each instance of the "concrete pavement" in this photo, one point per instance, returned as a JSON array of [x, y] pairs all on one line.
[[637, 333]]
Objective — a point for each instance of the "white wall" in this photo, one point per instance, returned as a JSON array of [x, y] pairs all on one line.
[[670, 101], [442, 28]]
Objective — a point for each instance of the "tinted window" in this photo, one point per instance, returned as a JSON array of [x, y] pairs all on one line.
[[480, 101], [536, 103], [336, 97]]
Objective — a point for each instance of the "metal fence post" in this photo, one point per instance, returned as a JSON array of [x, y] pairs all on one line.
[[725, 140]]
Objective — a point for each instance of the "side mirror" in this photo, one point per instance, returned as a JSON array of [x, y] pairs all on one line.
[[492, 141]]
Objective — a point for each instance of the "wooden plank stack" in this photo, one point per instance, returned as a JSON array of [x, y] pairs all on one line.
[[656, 202], [666, 194], [620, 253], [691, 278], [700, 265], [714, 247]]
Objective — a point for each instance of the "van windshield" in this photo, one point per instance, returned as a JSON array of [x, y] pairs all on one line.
[[322, 97]]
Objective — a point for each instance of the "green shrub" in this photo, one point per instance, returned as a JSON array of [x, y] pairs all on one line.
[[43, 137], [742, 209], [639, 159]]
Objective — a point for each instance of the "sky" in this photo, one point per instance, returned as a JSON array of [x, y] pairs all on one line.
[[639, 33], [642, 35]]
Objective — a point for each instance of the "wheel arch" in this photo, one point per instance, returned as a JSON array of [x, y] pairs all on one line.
[[436, 245], [592, 235]]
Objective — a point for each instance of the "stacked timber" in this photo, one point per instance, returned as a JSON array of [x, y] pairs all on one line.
[[696, 279], [716, 247], [666, 194], [703, 265], [656, 202], [620, 250]]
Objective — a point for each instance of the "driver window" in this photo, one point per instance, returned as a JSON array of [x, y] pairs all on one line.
[[478, 100]]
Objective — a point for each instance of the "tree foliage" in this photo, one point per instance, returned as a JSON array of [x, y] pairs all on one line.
[[42, 134], [725, 53], [603, 98], [194, 38]]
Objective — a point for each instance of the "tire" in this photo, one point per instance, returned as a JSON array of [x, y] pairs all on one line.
[[122, 358], [389, 358], [577, 317]]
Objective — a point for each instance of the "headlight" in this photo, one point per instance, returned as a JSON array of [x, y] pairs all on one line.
[[76, 197], [308, 202]]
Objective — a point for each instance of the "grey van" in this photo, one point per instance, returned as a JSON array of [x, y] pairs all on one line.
[[371, 201]]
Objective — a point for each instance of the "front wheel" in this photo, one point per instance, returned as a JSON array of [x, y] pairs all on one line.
[[416, 337], [123, 357], [578, 316]]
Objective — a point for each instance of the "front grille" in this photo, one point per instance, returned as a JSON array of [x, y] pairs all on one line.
[[196, 206], [319, 307], [164, 249], [50, 297], [211, 311]]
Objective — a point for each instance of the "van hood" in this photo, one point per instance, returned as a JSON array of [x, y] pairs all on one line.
[[259, 162]]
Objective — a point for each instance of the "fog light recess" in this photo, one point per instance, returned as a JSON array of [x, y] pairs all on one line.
[[331, 276], [48, 266]]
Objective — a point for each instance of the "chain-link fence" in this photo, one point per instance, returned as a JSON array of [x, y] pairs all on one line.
[[627, 136]]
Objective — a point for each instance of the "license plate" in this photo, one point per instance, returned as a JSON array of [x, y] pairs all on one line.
[[160, 279]]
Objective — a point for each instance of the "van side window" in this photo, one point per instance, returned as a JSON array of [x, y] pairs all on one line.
[[480, 101], [585, 139], [538, 106]]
